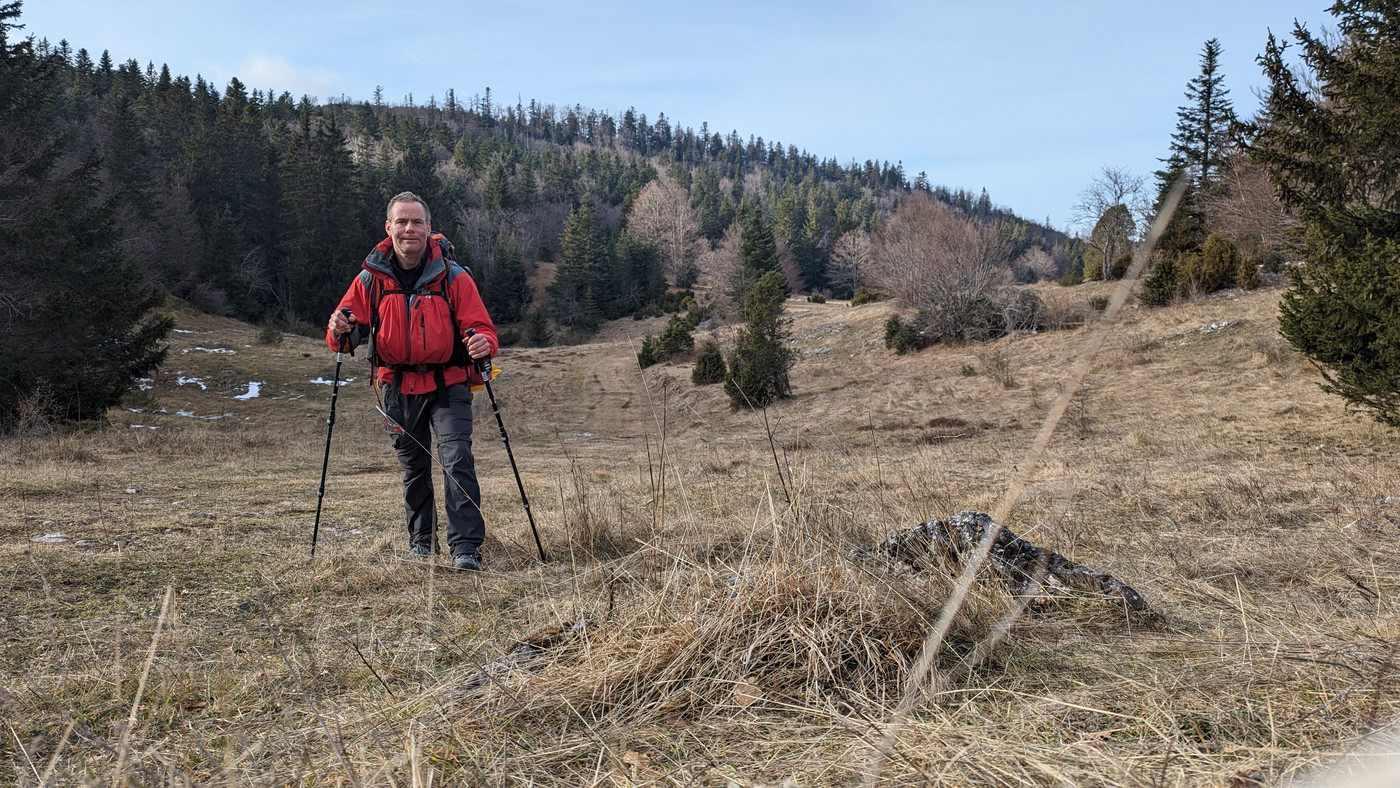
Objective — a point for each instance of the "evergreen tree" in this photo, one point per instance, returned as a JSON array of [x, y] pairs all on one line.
[[537, 330], [1199, 149], [709, 203], [507, 293], [497, 194], [79, 329], [1327, 139], [1203, 123], [709, 365], [758, 255], [758, 367], [127, 154], [321, 235], [638, 278], [580, 288]]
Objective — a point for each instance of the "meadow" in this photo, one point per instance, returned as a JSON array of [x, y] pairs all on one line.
[[702, 619]]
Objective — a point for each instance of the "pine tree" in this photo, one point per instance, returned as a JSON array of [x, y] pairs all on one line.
[[1327, 139], [758, 367]]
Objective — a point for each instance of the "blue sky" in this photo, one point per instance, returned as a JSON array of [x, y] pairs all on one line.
[[1026, 99]]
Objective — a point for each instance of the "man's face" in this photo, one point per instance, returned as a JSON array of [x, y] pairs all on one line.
[[409, 229]]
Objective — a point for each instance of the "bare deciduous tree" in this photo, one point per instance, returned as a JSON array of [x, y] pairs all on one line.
[[1034, 264], [716, 266], [1246, 208], [1111, 239], [662, 215], [935, 261], [1112, 186], [849, 262]]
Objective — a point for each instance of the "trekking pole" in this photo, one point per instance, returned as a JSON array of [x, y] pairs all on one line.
[[484, 364], [330, 425]]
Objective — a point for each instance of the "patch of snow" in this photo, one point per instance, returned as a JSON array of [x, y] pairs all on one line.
[[182, 331], [583, 434], [324, 382], [53, 538], [219, 350], [1217, 326], [213, 417], [146, 410], [144, 384], [144, 426], [182, 380], [132, 490], [253, 388]]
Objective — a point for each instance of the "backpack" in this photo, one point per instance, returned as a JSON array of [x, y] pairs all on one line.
[[376, 290]]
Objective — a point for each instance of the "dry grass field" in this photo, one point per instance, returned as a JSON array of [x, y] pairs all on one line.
[[164, 624]]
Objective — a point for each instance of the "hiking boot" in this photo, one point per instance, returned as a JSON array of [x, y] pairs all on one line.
[[420, 551], [467, 562]]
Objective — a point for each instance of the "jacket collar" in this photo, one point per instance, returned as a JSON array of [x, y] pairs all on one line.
[[381, 260]]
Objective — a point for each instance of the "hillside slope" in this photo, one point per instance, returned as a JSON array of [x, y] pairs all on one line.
[[731, 637]]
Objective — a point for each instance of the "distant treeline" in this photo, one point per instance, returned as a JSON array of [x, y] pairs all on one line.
[[260, 206]]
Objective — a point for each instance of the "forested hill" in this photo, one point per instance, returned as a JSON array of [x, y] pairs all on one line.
[[248, 202]]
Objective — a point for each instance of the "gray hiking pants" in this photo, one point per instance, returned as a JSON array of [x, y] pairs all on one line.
[[452, 423]]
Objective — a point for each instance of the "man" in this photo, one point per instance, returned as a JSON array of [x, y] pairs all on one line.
[[414, 306]]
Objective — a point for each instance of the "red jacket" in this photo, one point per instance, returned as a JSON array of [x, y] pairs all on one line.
[[416, 327]]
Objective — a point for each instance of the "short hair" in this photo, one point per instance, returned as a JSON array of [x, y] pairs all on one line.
[[408, 197]]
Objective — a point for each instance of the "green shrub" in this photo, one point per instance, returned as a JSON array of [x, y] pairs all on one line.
[[1213, 269], [1247, 275], [537, 329], [269, 334], [901, 336], [863, 296], [968, 371], [648, 355], [676, 339], [1121, 265], [1098, 303], [1160, 287], [816, 298], [709, 365]]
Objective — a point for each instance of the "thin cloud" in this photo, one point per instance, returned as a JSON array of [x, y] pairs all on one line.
[[277, 73]]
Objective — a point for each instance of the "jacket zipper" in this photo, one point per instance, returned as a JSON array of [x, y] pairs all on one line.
[[408, 327]]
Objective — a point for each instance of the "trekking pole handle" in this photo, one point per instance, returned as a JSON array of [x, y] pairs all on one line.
[[484, 363], [345, 338]]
